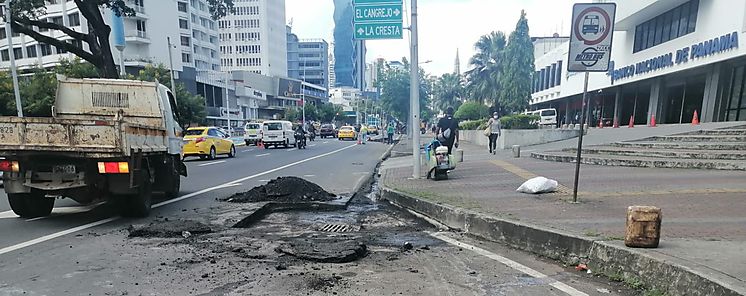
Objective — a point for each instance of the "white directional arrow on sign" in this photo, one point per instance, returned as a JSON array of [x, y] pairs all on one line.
[[361, 31], [397, 12]]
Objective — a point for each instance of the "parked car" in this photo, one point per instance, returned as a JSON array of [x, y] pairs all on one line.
[[373, 130], [347, 132], [278, 133], [253, 133], [207, 142], [327, 130]]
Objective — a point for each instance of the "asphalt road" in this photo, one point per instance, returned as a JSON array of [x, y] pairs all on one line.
[[87, 251], [342, 165]]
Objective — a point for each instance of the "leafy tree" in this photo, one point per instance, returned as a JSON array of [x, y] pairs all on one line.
[[448, 91], [515, 92], [191, 107], [76, 68], [37, 93], [472, 111], [25, 16], [292, 115], [328, 112], [394, 85], [487, 68]]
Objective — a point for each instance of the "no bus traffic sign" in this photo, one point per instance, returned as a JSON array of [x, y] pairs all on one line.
[[591, 36]]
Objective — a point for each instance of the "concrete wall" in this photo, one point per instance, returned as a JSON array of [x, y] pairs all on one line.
[[508, 138]]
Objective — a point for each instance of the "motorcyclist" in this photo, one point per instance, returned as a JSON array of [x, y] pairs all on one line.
[[312, 131], [300, 134]]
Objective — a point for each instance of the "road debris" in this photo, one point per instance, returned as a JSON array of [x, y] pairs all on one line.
[[169, 229], [283, 189]]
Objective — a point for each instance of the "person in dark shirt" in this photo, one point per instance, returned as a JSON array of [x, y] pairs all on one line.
[[447, 132]]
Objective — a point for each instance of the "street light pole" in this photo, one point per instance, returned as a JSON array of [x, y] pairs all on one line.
[[11, 53], [303, 96], [414, 86], [228, 103]]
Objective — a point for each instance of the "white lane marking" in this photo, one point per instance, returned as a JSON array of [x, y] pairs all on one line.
[[211, 163], [265, 180], [510, 263], [326, 142], [292, 149], [309, 176], [312, 145], [248, 150], [183, 197], [231, 185], [260, 155]]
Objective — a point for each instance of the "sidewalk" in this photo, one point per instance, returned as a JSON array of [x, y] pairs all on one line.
[[704, 228]]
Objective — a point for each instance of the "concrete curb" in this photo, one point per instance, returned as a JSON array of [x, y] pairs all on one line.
[[601, 256]]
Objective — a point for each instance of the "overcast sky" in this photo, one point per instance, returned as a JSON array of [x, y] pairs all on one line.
[[445, 25]]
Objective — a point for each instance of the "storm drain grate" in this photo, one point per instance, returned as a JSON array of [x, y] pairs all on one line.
[[338, 228]]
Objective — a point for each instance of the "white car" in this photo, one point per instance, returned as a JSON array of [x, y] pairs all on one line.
[[278, 133], [253, 133]]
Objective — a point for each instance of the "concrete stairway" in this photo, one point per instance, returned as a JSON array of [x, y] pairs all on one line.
[[721, 149]]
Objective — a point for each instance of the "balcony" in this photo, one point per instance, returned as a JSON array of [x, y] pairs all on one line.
[[137, 37], [139, 12]]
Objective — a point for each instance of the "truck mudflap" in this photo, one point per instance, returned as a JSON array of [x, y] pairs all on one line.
[[182, 169]]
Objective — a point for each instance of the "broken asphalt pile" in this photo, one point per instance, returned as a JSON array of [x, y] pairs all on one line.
[[283, 189], [169, 229]]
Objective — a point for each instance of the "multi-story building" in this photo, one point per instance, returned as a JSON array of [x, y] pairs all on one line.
[[670, 58], [188, 24], [313, 62], [332, 75], [349, 54], [254, 38]]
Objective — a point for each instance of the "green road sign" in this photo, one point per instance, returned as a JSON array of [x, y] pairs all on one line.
[[378, 13], [385, 30], [369, 2]]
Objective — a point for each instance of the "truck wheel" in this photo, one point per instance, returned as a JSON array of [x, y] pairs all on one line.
[[30, 205], [213, 154], [138, 204], [232, 153], [247, 142], [175, 176]]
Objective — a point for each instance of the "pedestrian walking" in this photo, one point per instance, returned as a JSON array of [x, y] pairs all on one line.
[[494, 131], [363, 134], [390, 133]]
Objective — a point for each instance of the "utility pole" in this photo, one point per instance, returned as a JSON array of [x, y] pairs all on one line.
[[170, 66], [303, 96], [414, 98], [11, 53], [228, 102]]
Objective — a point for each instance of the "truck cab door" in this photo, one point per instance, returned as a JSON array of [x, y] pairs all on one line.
[[171, 119]]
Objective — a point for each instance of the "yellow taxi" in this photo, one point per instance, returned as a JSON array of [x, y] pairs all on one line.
[[372, 130], [346, 132], [207, 142]]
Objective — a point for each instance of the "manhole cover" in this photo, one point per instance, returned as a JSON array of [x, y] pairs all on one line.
[[338, 228]]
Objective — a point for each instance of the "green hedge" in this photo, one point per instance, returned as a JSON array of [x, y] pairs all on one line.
[[520, 121], [473, 124]]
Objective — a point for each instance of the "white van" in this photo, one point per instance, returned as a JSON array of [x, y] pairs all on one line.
[[546, 116], [253, 133], [278, 133]]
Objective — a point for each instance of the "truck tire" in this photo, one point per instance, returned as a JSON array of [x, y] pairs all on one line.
[[30, 205], [248, 143], [174, 179], [138, 204]]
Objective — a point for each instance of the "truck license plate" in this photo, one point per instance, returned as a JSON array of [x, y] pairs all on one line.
[[64, 169]]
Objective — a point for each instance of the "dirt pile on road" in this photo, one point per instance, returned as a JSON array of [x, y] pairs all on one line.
[[283, 189], [169, 229], [325, 250]]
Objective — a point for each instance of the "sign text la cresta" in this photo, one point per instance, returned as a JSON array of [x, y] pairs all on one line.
[[699, 50]]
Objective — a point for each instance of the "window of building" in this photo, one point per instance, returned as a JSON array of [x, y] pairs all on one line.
[[46, 49], [195, 19], [140, 3], [60, 50], [184, 24], [57, 20], [5, 55], [31, 51], [186, 58], [73, 19], [181, 6], [185, 41], [2, 34], [140, 26], [667, 26], [202, 6], [18, 52]]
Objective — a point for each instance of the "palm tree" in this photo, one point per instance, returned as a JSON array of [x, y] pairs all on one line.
[[483, 80], [449, 89]]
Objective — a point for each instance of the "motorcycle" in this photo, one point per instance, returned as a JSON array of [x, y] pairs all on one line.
[[439, 161], [312, 136], [300, 140]]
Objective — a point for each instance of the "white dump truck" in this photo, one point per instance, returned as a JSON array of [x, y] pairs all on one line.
[[107, 139]]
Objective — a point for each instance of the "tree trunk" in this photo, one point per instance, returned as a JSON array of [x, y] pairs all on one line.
[[98, 40]]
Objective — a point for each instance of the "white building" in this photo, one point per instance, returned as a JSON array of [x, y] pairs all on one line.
[[187, 23], [254, 38], [670, 59], [346, 96]]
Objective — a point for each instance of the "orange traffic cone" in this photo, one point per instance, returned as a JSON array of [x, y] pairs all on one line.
[[616, 122], [652, 121], [632, 121], [695, 119], [260, 144]]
